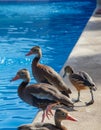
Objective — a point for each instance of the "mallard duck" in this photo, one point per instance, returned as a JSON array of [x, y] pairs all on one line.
[[40, 95], [45, 74], [60, 115], [81, 80]]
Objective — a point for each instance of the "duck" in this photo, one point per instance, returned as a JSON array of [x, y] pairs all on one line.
[[46, 74], [40, 95], [81, 81], [60, 115]]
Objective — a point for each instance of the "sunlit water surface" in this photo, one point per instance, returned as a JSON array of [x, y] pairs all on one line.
[[54, 26]]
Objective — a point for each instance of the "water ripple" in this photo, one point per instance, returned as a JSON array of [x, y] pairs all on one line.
[[11, 61]]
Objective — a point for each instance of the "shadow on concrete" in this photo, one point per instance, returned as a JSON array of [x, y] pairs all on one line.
[[92, 27]]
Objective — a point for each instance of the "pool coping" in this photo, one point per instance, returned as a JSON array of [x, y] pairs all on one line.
[[86, 55]]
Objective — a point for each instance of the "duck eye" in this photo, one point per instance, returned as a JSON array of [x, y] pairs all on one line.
[[36, 50], [22, 73], [63, 114]]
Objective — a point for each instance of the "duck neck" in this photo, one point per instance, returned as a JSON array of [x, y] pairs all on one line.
[[21, 88], [71, 71], [59, 125], [36, 59]]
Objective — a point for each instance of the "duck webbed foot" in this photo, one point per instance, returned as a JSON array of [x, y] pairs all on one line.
[[48, 112], [89, 103]]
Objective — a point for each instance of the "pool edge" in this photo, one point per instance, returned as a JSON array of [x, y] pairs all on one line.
[[92, 29]]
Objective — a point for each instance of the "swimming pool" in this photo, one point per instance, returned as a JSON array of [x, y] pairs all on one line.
[[54, 26]]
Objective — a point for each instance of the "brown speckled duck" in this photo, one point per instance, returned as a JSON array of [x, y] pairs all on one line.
[[45, 74], [81, 80], [60, 115], [40, 95]]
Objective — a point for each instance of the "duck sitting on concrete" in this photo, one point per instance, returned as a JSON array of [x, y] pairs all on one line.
[[60, 115], [81, 81], [46, 74], [40, 95]]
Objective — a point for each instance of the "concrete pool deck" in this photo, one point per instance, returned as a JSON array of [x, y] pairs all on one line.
[[86, 55]]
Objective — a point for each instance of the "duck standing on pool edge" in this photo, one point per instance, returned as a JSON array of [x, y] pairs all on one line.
[[81, 81], [40, 95], [45, 74]]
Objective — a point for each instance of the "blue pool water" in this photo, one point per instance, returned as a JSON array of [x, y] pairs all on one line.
[[54, 26]]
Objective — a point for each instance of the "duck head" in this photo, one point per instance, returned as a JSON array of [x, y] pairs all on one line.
[[22, 74], [67, 69], [35, 50], [62, 114]]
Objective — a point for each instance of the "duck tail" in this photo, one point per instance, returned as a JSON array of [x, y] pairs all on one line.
[[69, 91], [66, 93], [65, 101]]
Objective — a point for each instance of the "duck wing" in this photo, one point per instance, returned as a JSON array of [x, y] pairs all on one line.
[[46, 93], [87, 77], [50, 76], [82, 78]]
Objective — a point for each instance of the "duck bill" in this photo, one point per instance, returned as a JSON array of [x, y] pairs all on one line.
[[69, 117], [15, 78], [29, 53]]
